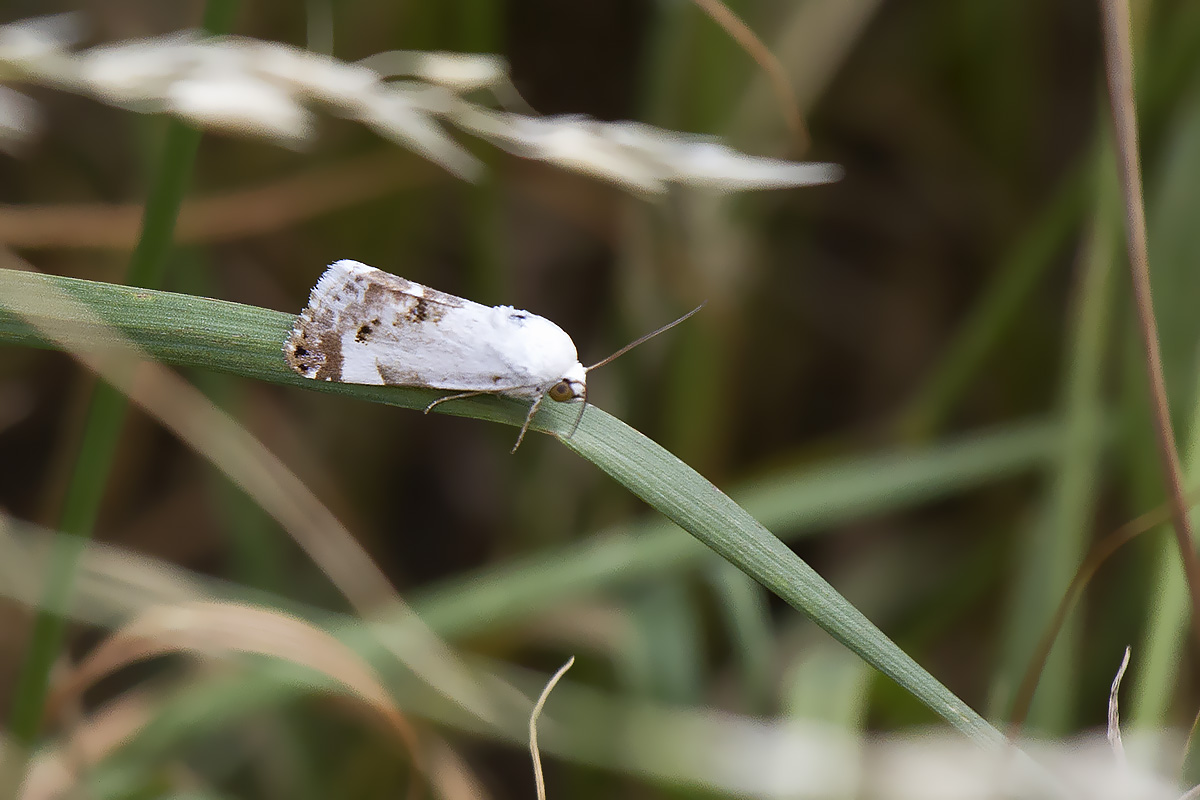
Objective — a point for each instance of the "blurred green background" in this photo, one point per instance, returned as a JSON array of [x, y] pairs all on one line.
[[924, 375]]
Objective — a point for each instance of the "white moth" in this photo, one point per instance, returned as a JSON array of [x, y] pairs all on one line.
[[364, 325]]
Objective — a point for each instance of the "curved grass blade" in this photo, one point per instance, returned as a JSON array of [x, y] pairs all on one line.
[[186, 330]]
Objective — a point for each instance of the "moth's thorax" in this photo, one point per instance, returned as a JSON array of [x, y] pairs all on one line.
[[543, 349]]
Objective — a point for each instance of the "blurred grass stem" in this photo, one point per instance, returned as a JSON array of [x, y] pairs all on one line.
[[1118, 53], [1018, 274], [104, 418], [776, 73], [1057, 543]]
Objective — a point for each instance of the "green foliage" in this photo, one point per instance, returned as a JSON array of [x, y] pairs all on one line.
[[922, 381]]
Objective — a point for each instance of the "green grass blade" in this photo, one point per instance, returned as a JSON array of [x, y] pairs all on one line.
[[693, 503], [829, 685], [183, 329], [746, 616]]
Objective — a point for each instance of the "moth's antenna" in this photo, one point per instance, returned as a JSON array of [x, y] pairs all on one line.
[[645, 338], [621, 352]]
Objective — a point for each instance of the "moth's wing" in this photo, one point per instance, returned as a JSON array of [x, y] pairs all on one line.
[[314, 348], [363, 325]]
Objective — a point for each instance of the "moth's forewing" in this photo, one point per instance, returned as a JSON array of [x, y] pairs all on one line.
[[364, 325]]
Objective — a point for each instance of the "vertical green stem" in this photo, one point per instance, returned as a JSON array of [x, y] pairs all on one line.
[[1056, 544], [1017, 276]]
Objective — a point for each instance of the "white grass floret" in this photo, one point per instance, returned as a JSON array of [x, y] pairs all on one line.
[[32, 44], [313, 75], [637, 156], [401, 117], [240, 105], [462, 72], [19, 120], [140, 73], [270, 90]]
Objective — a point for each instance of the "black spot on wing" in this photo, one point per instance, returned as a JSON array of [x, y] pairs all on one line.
[[419, 311], [363, 332]]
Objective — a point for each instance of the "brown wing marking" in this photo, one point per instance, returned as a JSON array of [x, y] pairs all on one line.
[[314, 348]]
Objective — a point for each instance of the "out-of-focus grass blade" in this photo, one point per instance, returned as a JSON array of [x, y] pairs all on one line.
[[222, 630], [794, 502], [106, 413], [1174, 241], [1017, 275], [686, 498], [1056, 544], [747, 616], [667, 620], [828, 685]]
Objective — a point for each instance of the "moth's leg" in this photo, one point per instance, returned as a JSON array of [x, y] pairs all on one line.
[[528, 419], [458, 396]]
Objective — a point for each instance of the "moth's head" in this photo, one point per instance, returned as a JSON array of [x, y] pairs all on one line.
[[573, 385]]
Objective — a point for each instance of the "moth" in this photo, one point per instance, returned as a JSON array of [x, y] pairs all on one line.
[[363, 325]]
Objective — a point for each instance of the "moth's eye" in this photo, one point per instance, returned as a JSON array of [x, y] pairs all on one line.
[[561, 391]]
